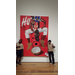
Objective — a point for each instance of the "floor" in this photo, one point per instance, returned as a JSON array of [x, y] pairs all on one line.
[[36, 68]]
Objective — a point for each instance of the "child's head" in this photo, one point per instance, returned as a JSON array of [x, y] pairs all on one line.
[[49, 41]]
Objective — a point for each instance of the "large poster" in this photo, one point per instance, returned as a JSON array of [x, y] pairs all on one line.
[[34, 33]]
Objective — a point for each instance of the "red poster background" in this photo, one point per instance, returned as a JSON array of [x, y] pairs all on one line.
[[23, 37]]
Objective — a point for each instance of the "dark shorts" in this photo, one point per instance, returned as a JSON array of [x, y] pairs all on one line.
[[19, 53]]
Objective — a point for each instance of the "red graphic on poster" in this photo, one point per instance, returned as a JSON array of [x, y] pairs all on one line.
[[34, 33]]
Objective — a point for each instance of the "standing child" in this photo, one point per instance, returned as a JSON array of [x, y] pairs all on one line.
[[50, 52], [19, 51]]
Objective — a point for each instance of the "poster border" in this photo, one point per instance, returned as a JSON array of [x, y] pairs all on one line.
[[48, 28]]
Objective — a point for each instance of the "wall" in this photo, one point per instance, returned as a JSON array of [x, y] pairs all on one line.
[[40, 8]]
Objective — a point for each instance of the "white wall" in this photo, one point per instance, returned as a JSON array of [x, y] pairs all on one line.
[[39, 7]]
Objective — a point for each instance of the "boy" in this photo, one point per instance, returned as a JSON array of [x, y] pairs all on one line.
[[50, 51], [19, 51]]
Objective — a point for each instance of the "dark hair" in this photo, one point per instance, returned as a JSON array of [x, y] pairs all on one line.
[[20, 40], [32, 17], [49, 40]]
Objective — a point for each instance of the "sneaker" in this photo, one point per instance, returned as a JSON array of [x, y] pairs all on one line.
[[20, 63], [16, 65], [29, 45], [50, 63], [42, 43], [53, 64]]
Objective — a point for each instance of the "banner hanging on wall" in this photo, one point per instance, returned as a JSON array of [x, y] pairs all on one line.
[[34, 33]]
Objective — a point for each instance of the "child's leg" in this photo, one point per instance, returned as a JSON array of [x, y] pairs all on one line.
[[53, 58]]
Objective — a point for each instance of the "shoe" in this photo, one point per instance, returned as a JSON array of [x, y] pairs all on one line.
[[42, 43], [20, 63], [29, 45], [53, 64], [16, 65]]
